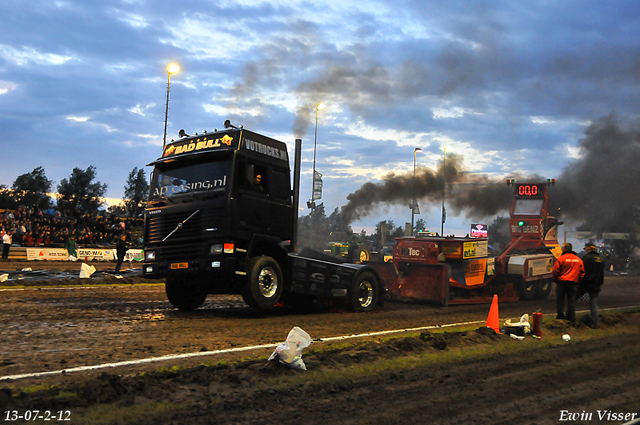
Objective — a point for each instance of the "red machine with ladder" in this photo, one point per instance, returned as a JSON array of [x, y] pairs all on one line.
[[460, 270]]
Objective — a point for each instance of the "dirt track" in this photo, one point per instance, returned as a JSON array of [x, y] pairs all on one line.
[[53, 329]]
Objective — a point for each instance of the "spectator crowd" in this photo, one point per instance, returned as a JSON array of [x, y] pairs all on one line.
[[51, 228]]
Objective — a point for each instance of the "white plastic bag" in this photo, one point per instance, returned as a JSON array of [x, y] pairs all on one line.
[[521, 328], [290, 352], [86, 271]]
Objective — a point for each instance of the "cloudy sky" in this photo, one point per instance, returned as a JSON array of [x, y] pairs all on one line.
[[508, 87]]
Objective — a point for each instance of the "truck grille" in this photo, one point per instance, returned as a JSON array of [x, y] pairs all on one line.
[[179, 252], [161, 225]]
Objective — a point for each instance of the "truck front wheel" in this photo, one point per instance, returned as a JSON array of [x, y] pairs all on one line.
[[184, 293], [365, 292], [264, 284]]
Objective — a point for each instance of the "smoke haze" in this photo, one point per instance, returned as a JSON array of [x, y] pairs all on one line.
[[600, 191]]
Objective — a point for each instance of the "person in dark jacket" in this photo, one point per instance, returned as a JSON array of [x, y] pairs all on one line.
[[121, 251], [568, 271], [592, 281]]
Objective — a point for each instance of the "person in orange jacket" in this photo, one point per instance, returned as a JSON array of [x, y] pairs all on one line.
[[568, 271]]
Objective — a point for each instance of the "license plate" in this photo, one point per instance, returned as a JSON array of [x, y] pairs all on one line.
[[179, 266]]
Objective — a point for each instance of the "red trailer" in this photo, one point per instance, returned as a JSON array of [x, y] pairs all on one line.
[[456, 270]]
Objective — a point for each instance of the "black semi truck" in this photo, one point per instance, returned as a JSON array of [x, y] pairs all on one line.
[[222, 219]]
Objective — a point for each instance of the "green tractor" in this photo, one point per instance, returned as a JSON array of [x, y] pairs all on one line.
[[350, 252]]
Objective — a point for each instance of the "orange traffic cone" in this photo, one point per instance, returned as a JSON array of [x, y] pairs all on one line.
[[493, 320]]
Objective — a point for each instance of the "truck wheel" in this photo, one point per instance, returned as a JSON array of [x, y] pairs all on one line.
[[543, 289], [365, 292], [264, 284], [184, 293], [527, 290]]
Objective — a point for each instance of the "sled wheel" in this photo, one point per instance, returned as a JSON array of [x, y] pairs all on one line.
[[184, 293], [543, 289], [527, 290], [264, 283], [365, 292]]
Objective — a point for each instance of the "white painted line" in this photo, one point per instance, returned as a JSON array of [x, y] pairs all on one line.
[[421, 328], [73, 288], [212, 353], [135, 362], [256, 347]]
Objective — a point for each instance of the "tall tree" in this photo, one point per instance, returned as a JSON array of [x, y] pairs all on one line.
[[7, 197], [386, 231], [80, 194], [31, 189], [420, 226], [499, 232], [136, 193]]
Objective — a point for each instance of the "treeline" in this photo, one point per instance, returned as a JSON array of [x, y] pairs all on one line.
[[316, 230], [78, 195]]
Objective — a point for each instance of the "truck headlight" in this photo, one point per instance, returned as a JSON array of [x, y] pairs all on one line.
[[149, 255], [216, 249]]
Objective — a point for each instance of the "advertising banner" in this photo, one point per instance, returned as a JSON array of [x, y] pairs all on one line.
[[47, 254], [89, 254], [84, 254], [479, 230]]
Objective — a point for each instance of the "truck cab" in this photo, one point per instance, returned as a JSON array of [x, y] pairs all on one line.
[[215, 200], [221, 219]]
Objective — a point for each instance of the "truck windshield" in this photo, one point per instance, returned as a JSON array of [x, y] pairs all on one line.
[[528, 207], [179, 178]]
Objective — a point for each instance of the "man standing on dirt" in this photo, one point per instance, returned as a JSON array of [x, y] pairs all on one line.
[[593, 280], [71, 248], [6, 244], [121, 250], [568, 271]]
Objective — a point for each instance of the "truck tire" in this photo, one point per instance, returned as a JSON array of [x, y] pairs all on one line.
[[365, 292], [263, 287], [184, 293], [527, 290], [543, 289]]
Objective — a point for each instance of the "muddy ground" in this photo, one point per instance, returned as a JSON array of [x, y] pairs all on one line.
[[456, 377]]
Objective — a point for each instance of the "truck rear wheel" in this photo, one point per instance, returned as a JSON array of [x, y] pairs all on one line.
[[184, 293], [264, 284], [543, 289], [365, 292]]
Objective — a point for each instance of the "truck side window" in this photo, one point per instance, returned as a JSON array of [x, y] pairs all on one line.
[[255, 177], [279, 186], [259, 182]]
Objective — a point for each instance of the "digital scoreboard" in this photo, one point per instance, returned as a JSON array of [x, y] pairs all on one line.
[[529, 190]]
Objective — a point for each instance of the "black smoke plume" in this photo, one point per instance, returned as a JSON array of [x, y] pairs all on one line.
[[599, 192], [476, 195]]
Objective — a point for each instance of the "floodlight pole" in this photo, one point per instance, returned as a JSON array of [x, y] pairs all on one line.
[[173, 68]]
